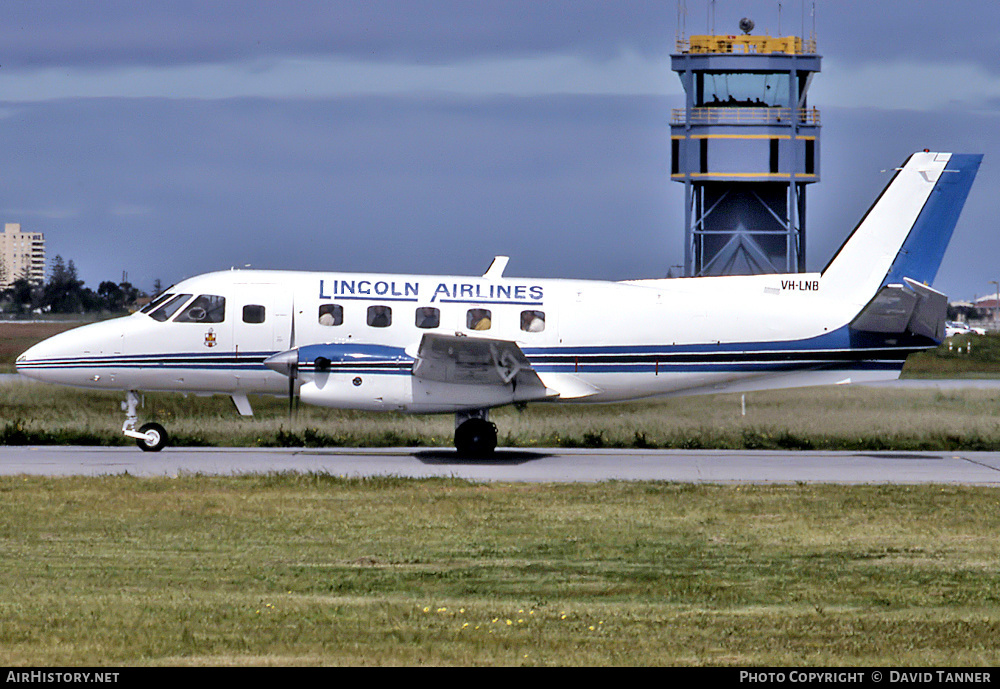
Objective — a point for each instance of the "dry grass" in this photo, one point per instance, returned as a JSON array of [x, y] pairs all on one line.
[[17, 336], [826, 418], [820, 418]]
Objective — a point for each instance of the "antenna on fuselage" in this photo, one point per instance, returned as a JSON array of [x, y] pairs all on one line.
[[495, 271]]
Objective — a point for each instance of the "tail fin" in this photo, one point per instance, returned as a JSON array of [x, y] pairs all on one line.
[[906, 231]]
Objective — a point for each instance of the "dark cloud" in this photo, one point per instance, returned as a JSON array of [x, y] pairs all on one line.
[[72, 33], [114, 33], [573, 186]]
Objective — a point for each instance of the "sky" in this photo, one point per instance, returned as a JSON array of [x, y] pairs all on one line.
[[163, 140]]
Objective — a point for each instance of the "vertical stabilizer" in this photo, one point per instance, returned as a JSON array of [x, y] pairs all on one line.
[[906, 231]]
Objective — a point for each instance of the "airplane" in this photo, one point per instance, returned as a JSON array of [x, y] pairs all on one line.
[[465, 345]]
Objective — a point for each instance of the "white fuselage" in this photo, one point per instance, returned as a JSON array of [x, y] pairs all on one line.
[[587, 340], [422, 343]]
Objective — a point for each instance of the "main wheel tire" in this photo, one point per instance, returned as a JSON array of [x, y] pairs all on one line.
[[157, 439], [476, 438]]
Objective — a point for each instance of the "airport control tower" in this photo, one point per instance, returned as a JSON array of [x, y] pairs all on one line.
[[745, 145]]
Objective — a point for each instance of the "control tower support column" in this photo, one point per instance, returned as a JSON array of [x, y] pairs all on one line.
[[745, 146]]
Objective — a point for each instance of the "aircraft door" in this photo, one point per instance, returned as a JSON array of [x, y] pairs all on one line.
[[262, 319], [262, 326]]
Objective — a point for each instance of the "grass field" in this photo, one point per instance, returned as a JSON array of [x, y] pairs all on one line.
[[318, 570], [313, 569], [17, 336]]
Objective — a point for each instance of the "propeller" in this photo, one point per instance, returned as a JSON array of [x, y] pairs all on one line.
[[293, 373], [287, 364]]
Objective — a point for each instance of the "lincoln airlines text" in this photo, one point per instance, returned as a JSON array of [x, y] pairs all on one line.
[[446, 292]]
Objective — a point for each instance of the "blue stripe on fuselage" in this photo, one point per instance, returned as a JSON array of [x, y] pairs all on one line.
[[842, 347]]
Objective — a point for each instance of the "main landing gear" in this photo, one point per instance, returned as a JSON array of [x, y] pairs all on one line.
[[475, 434], [151, 437]]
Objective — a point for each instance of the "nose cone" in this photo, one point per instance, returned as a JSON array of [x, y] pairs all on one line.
[[82, 356]]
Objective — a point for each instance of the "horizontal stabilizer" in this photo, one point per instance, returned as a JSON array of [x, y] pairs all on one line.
[[931, 311], [907, 308]]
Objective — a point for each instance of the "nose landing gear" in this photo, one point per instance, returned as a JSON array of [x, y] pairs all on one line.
[[151, 437]]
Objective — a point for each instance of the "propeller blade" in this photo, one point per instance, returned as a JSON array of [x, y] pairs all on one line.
[[293, 372], [287, 364]]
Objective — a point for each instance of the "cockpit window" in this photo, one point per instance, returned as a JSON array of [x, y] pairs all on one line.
[[155, 302], [169, 308], [207, 308]]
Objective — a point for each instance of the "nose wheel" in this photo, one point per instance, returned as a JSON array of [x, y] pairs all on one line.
[[151, 437], [154, 437]]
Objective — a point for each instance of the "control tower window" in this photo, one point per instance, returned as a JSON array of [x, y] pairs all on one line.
[[743, 89]]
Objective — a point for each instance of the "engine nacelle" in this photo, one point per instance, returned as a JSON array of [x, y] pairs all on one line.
[[378, 378]]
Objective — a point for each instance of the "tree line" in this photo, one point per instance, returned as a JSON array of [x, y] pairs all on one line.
[[65, 292]]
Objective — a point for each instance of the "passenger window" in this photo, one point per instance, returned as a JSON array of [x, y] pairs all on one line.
[[253, 313], [379, 316], [207, 308], [331, 314], [428, 317], [169, 308], [532, 321], [478, 319]]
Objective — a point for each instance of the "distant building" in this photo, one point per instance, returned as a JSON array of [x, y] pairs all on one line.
[[988, 306], [22, 254]]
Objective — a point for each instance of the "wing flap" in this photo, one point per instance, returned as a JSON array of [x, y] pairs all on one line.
[[479, 361], [469, 360]]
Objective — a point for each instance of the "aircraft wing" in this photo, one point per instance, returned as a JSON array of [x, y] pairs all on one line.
[[483, 361], [472, 360]]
